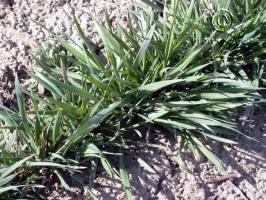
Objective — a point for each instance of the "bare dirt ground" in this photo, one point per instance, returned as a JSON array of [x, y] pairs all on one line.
[[245, 177], [245, 165]]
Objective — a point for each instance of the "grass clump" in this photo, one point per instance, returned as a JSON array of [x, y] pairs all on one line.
[[178, 68]]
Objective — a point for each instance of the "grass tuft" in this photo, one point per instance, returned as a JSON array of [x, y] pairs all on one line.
[[178, 68]]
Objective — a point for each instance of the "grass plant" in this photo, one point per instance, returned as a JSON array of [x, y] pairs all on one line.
[[178, 67]]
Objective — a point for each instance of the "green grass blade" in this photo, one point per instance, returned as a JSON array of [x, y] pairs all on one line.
[[86, 127], [14, 167], [152, 87], [24, 118], [62, 180], [8, 179], [124, 178], [144, 47], [146, 166], [21, 106], [211, 156]]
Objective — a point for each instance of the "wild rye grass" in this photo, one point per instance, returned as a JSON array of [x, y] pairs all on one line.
[[178, 68]]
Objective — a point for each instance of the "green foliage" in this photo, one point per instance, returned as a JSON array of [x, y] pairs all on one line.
[[184, 70]]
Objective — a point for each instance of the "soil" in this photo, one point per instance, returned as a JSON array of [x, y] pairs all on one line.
[[245, 177], [20, 34], [246, 161]]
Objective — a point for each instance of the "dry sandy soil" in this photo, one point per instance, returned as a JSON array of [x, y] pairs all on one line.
[[246, 164]]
